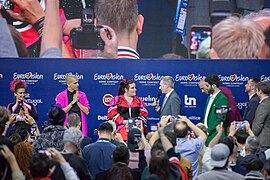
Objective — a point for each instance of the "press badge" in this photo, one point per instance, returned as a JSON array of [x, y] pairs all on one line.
[[181, 16]]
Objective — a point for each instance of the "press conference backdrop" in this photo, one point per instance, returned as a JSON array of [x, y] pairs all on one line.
[[99, 79]]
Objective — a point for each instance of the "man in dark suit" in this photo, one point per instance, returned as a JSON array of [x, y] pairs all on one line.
[[215, 100], [254, 99], [261, 122], [171, 103]]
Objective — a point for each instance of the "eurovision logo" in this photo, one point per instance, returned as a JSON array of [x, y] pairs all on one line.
[[265, 78], [29, 77], [233, 80], [189, 79], [149, 79], [61, 78], [108, 78]]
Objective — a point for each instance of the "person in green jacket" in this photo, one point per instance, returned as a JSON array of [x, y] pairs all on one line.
[[216, 107]]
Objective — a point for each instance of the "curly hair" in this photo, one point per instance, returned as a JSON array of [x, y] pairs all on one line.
[[23, 153], [17, 84]]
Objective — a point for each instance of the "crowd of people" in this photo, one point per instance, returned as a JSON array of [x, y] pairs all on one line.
[[223, 146]]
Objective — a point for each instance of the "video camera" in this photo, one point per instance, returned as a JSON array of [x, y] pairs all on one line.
[[87, 36]]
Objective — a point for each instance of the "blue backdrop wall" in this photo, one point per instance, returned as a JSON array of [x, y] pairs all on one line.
[[99, 79]]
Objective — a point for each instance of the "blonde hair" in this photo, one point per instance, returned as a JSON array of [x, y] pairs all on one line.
[[237, 38], [70, 77]]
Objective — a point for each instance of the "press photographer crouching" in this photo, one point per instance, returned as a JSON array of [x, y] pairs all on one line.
[[92, 41]]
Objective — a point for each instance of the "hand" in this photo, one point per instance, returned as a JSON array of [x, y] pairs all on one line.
[[125, 122], [57, 156], [8, 155], [219, 127], [247, 125], [160, 128], [118, 137], [75, 98], [232, 129], [184, 119], [29, 119], [164, 120], [31, 11], [111, 42], [155, 104], [12, 119]]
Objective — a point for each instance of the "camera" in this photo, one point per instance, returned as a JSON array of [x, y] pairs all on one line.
[[87, 36], [222, 110]]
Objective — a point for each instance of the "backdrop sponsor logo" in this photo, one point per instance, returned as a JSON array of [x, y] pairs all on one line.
[[34, 101], [265, 78], [148, 79], [29, 77], [108, 78], [106, 99], [195, 118], [233, 80], [102, 117], [190, 102], [148, 100], [189, 79], [61, 78], [1, 76]]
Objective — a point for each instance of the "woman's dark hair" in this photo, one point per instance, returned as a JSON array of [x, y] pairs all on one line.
[[57, 115], [124, 84], [39, 165], [121, 154], [266, 166], [228, 140], [159, 163], [255, 165], [120, 171]]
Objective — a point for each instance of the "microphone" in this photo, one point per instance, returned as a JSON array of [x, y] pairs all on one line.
[[158, 95]]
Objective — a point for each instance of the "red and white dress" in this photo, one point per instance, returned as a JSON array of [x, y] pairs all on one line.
[[121, 110]]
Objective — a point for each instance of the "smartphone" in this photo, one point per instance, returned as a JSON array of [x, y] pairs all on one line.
[[153, 127], [239, 124], [33, 130], [199, 34], [6, 4], [137, 138], [137, 123]]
